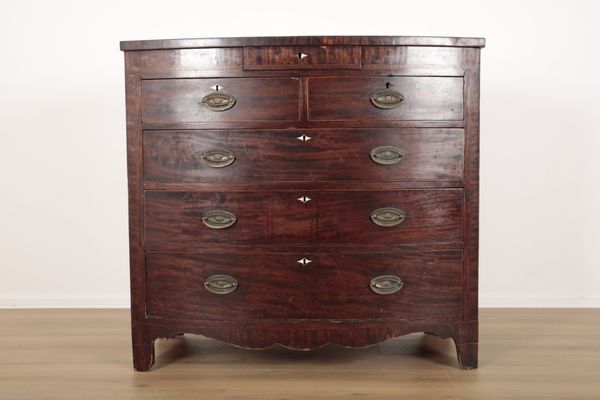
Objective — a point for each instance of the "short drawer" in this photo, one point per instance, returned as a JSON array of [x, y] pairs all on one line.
[[317, 155], [385, 98], [302, 57], [220, 100], [297, 217], [407, 285]]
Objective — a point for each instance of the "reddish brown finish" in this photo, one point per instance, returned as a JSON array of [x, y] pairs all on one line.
[[332, 286], [432, 216], [261, 217], [229, 61], [303, 41], [301, 57], [347, 99], [471, 270], [435, 250], [416, 60], [304, 186], [303, 124], [257, 99], [319, 155], [193, 60]]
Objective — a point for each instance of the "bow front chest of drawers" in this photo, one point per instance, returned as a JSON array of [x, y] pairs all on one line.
[[303, 190]]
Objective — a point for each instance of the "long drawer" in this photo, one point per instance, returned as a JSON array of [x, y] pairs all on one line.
[[407, 285], [295, 217], [314, 155], [220, 100], [385, 98]]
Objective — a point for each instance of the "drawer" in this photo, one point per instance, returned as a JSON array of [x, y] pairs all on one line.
[[323, 155], [296, 217], [277, 286], [302, 57], [236, 100], [385, 98]]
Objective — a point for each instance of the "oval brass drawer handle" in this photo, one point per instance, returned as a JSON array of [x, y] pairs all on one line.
[[388, 217], [386, 284], [219, 219], [387, 99], [218, 101], [387, 155], [221, 284], [217, 158]]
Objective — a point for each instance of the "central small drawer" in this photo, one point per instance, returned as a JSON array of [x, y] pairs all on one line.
[[366, 155], [302, 57], [220, 100], [406, 285], [412, 216]]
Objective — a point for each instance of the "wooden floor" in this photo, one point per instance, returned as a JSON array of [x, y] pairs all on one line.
[[85, 354]]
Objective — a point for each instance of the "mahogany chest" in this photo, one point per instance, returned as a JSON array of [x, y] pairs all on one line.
[[303, 190]]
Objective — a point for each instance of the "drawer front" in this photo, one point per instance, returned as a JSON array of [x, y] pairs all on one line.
[[330, 286], [415, 60], [370, 99], [358, 217], [302, 57], [180, 60], [236, 100], [348, 155]]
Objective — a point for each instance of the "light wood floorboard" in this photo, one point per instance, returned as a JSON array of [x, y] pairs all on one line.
[[85, 354]]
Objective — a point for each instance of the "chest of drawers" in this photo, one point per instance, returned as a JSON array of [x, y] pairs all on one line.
[[303, 191]]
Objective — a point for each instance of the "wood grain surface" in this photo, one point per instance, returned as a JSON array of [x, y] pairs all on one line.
[[348, 99], [441, 61], [410, 60], [193, 60], [276, 286], [274, 217], [304, 41], [301, 57], [304, 156], [257, 99]]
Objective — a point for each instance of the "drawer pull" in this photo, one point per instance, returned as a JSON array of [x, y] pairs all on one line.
[[387, 99], [218, 101], [387, 155], [301, 55], [219, 219], [221, 284], [388, 217], [217, 158], [386, 284]]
